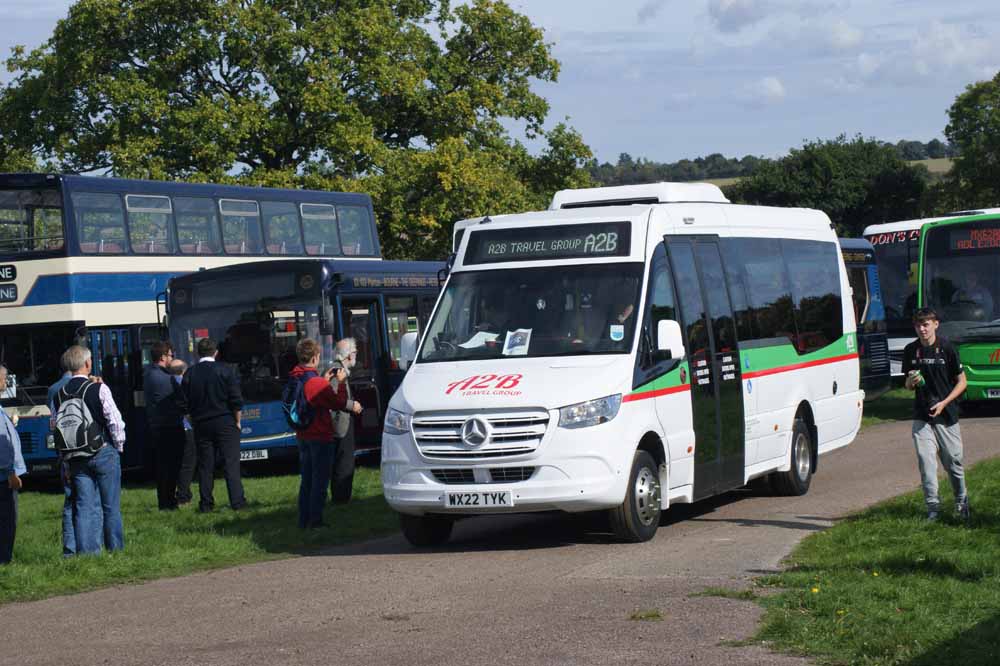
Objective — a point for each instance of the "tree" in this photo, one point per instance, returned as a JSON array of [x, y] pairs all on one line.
[[974, 130], [857, 183], [326, 92]]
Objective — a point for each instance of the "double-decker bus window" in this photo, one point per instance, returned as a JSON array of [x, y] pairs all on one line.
[[149, 224], [401, 317], [100, 222], [240, 226], [319, 226], [30, 220], [358, 320], [197, 225], [281, 228], [355, 231]]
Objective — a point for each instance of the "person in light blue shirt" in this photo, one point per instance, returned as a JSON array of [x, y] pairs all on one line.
[[68, 532], [11, 470]]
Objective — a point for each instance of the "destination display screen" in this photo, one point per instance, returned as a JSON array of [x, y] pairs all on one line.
[[568, 241], [982, 238]]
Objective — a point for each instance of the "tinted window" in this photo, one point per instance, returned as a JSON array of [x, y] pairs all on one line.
[[240, 226], [661, 304], [149, 224], [100, 222], [281, 228], [767, 287], [319, 226], [197, 226], [718, 298], [815, 276], [742, 313], [689, 290], [355, 230]]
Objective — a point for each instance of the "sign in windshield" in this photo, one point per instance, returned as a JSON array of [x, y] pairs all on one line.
[[974, 239], [568, 241]]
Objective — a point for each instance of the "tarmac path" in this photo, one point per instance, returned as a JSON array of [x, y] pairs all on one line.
[[512, 590]]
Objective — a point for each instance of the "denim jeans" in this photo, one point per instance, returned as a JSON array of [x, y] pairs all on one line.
[[315, 459], [97, 488], [68, 512]]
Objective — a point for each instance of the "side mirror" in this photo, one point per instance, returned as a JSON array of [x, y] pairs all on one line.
[[669, 340], [407, 349], [327, 319]]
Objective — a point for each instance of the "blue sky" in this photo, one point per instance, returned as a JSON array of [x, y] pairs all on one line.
[[669, 79]]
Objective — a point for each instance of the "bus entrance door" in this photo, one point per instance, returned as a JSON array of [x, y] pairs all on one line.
[[361, 319], [710, 337]]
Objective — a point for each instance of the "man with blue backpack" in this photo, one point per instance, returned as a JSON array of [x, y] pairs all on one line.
[[308, 400]]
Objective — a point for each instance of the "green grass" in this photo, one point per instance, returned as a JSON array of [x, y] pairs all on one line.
[[161, 544], [894, 405], [885, 588]]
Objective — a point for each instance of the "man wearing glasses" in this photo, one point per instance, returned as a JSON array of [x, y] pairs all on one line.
[[166, 425], [345, 356]]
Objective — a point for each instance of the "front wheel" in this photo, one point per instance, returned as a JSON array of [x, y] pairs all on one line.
[[638, 517], [797, 479], [425, 531]]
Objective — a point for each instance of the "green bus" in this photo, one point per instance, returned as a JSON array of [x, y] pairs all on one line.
[[959, 276]]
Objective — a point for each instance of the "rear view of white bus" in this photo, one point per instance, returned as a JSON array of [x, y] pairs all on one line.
[[628, 348]]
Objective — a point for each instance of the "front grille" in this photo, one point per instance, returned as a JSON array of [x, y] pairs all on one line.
[[510, 474], [896, 355], [453, 476], [511, 433]]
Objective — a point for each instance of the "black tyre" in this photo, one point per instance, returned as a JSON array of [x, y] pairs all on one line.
[[425, 531], [638, 516], [796, 480]]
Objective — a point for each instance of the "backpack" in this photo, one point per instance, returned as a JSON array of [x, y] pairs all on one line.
[[298, 412], [76, 434]]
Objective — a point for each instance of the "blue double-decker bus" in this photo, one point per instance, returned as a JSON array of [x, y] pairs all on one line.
[[83, 259], [259, 311]]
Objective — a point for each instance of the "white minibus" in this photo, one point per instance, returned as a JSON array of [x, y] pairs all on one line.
[[629, 348]]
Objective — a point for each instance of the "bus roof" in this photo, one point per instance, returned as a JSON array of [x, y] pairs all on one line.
[[134, 186], [907, 225], [650, 193], [854, 244]]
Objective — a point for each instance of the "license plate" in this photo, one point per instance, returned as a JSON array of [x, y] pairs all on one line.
[[487, 498], [993, 393], [253, 454]]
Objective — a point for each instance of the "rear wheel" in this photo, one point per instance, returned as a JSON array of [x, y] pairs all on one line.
[[424, 531], [638, 517], [797, 479]]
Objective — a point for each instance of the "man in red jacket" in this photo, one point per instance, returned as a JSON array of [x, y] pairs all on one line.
[[316, 441]]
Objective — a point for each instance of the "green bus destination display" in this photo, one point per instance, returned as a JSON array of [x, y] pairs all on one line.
[[982, 238], [568, 241]]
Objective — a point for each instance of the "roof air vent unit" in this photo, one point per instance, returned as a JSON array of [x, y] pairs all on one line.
[[626, 195]]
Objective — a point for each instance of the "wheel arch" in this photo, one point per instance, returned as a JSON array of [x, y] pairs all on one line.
[[805, 412], [652, 444]]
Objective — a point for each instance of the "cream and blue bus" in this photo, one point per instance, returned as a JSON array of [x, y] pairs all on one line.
[[628, 349], [83, 260]]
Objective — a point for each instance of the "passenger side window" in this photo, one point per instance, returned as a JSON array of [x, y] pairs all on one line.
[[660, 305], [281, 228], [355, 231], [149, 224], [319, 226], [240, 226], [100, 222], [767, 287], [733, 264], [813, 267], [197, 226], [689, 289]]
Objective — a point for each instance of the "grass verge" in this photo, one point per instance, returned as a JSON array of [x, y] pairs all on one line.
[[160, 544], [885, 588]]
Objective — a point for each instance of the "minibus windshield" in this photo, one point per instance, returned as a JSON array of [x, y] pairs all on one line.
[[531, 312]]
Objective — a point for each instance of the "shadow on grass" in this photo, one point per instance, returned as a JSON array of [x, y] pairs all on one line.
[[978, 646]]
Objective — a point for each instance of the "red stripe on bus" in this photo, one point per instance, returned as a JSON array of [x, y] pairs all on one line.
[[798, 366], [632, 397]]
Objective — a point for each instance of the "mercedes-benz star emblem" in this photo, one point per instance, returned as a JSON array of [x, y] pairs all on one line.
[[475, 432]]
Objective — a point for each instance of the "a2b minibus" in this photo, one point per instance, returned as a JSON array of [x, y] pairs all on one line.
[[628, 349]]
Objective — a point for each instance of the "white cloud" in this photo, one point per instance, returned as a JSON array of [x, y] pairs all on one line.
[[735, 15], [843, 36], [765, 91]]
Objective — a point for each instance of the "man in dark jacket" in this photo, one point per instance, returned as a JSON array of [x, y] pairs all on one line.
[[210, 395], [166, 429], [316, 445]]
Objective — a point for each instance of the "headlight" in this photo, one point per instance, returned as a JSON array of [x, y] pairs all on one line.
[[590, 413], [396, 422]]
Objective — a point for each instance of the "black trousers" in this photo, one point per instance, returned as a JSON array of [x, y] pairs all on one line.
[[219, 437], [8, 521], [168, 443], [189, 460], [342, 472]]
